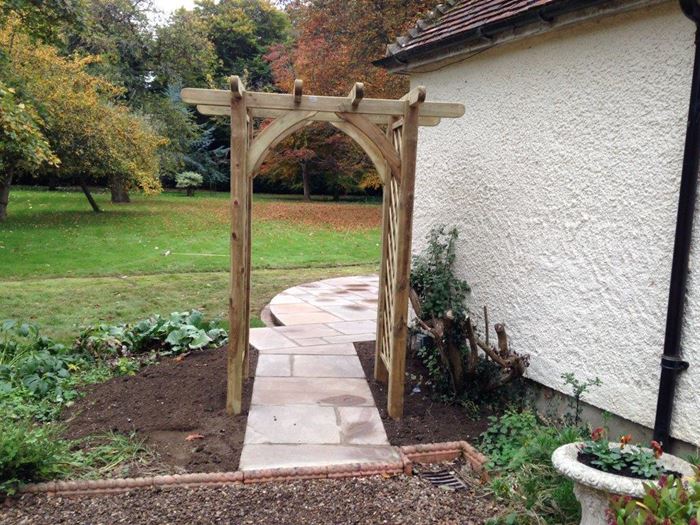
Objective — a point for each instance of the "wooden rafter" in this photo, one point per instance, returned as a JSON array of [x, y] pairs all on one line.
[[393, 153], [320, 116]]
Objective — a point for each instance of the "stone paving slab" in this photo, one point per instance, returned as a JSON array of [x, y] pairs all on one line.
[[327, 366], [292, 425], [311, 404], [324, 391], [280, 456], [316, 347]]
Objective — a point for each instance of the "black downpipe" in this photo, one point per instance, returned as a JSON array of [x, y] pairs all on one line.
[[671, 362]]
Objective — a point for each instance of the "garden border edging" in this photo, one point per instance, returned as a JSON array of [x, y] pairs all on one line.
[[410, 454]]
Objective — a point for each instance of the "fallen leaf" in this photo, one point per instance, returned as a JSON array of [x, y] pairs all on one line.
[[193, 437], [181, 357]]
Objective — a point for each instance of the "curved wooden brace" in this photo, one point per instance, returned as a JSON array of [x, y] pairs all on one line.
[[369, 147], [272, 135], [375, 135]]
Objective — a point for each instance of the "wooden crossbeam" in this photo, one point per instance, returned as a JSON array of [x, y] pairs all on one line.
[[281, 101], [321, 116]]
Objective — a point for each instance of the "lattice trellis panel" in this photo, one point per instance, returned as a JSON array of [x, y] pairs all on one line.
[[387, 290]]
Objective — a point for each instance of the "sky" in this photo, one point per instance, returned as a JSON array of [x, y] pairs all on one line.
[[168, 6]]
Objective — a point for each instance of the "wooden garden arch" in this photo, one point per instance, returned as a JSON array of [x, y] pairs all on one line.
[[393, 152]]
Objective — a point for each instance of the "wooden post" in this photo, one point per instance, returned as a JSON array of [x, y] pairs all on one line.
[[240, 205], [409, 144]]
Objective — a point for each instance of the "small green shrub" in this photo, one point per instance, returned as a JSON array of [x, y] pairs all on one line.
[[519, 447], [29, 453], [461, 366], [189, 180], [670, 502]]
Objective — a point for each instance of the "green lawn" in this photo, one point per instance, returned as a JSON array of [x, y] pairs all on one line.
[[63, 266], [54, 234]]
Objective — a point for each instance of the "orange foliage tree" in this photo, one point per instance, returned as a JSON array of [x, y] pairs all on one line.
[[334, 46]]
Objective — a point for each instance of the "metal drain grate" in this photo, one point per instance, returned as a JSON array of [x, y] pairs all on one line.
[[444, 479]]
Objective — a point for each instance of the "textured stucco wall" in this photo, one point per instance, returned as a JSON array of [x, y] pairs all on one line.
[[563, 178]]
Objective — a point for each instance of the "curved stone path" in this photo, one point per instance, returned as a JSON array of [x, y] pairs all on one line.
[[311, 404]]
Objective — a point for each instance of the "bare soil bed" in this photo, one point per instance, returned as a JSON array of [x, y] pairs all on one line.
[[424, 420], [164, 404], [356, 500]]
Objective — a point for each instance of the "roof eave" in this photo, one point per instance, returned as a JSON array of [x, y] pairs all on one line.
[[535, 21]]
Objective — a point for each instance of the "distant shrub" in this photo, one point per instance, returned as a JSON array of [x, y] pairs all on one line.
[[189, 180]]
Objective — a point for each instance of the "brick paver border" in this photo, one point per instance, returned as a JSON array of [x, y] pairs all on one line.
[[420, 454]]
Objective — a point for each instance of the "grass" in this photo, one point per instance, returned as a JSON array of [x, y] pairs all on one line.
[[61, 306], [63, 266], [54, 234]]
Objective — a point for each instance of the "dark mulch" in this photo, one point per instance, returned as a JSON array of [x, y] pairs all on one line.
[[166, 402], [424, 420], [357, 500]]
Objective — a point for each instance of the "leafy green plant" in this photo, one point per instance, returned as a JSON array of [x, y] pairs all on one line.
[[668, 502], [621, 458], [36, 374], [461, 365], [180, 332], [519, 446], [506, 435]]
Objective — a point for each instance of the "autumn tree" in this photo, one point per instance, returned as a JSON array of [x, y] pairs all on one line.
[[334, 47]]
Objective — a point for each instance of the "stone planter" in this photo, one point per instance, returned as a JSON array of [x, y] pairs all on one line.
[[593, 487]]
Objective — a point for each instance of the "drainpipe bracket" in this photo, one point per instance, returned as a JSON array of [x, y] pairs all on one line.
[[674, 363]]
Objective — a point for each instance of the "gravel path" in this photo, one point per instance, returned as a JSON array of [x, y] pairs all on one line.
[[358, 500]]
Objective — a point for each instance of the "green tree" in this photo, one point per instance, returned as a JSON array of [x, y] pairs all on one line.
[[119, 32], [242, 32], [183, 53], [44, 20]]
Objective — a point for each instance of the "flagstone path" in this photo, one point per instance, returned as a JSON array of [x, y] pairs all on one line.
[[311, 404]]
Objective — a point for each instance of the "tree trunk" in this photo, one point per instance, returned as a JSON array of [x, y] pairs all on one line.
[[53, 183], [190, 192], [117, 187], [5, 184], [305, 182], [86, 191]]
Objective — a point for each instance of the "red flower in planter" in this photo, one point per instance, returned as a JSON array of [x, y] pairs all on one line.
[[597, 433], [625, 440], [658, 450]]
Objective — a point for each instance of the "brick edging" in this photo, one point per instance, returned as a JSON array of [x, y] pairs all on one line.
[[426, 453]]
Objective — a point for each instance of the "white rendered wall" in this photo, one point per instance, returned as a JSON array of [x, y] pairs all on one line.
[[563, 179]]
